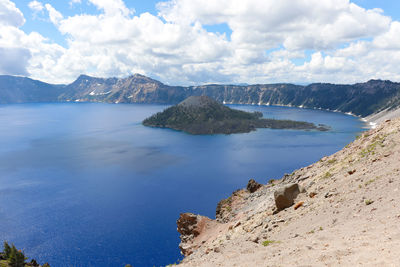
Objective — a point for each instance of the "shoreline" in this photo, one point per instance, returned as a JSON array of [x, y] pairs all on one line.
[[369, 123], [371, 120]]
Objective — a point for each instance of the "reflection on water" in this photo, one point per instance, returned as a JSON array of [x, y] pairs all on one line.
[[88, 185], [86, 153]]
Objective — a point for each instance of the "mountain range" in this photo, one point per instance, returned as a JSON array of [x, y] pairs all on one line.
[[361, 99]]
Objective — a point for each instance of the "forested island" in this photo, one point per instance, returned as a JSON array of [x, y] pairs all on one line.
[[204, 115]]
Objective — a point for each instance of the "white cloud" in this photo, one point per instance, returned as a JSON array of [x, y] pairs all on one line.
[[271, 41], [390, 39], [72, 2], [36, 6], [10, 14], [111, 7], [8, 64], [21, 53], [14, 57], [54, 15], [301, 24]]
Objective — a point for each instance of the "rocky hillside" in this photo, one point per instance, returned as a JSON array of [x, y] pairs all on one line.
[[343, 210], [362, 99], [134, 89]]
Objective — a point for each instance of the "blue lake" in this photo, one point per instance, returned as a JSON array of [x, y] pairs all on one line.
[[88, 185]]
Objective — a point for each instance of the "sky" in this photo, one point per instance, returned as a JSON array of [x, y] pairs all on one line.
[[193, 42]]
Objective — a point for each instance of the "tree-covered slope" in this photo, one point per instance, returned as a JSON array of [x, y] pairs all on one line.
[[203, 115]]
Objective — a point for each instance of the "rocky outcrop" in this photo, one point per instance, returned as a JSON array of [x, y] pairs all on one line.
[[253, 186], [285, 196], [190, 226]]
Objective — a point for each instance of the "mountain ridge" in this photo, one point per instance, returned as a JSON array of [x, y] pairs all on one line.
[[360, 99]]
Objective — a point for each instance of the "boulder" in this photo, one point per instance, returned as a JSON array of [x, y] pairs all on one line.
[[298, 205], [284, 196], [351, 172], [253, 186]]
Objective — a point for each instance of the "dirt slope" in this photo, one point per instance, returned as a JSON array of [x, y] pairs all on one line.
[[350, 214]]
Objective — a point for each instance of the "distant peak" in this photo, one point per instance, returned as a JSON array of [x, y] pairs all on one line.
[[142, 78], [378, 81], [138, 75], [83, 76]]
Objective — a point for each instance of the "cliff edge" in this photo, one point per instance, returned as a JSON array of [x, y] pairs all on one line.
[[344, 210]]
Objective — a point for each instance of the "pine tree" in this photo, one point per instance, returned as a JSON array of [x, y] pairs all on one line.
[[16, 258], [12, 256], [7, 250]]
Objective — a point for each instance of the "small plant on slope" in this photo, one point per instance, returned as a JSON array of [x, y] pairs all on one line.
[[269, 242]]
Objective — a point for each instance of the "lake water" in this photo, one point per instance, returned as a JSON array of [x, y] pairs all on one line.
[[88, 185]]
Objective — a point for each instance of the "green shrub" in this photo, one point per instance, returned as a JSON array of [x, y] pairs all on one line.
[[369, 182], [15, 257], [331, 161], [269, 242], [327, 175], [368, 202]]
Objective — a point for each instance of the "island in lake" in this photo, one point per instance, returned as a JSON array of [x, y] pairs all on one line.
[[203, 115]]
